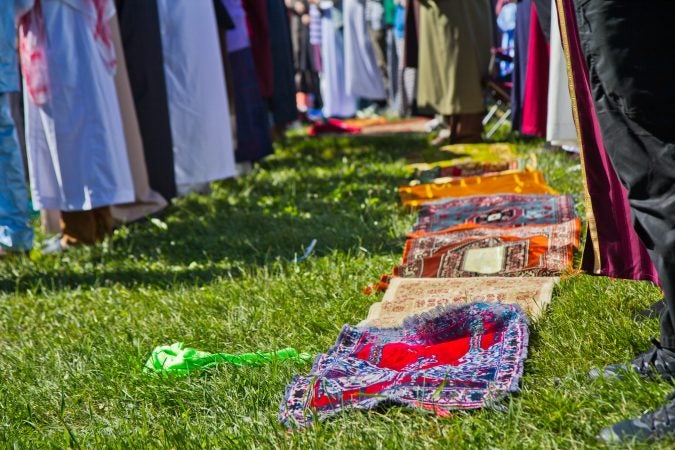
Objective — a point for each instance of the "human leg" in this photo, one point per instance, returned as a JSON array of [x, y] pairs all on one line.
[[15, 232]]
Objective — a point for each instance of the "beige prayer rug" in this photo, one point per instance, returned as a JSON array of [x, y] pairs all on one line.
[[410, 296]]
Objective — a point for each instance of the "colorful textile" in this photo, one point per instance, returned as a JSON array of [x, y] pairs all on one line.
[[410, 296], [467, 169], [412, 125], [512, 183], [497, 210], [453, 358], [472, 250], [179, 360], [332, 126], [612, 248]]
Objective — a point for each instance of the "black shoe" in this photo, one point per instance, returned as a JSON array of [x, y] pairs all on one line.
[[655, 361], [649, 427]]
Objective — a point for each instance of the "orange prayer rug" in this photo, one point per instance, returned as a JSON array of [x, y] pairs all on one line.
[[471, 250], [413, 296], [528, 182], [412, 125]]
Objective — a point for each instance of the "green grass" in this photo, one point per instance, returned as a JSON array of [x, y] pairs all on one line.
[[216, 274]]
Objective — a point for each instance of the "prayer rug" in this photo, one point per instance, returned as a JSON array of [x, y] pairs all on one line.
[[413, 125], [409, 296], [497, 210], [452, 358], [467, 169], [365, 122], [471, 250], [513, 183], [482, 152]]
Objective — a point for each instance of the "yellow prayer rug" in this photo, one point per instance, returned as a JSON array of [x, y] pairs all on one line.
[[483, 151], [527, 182], [412, 296]]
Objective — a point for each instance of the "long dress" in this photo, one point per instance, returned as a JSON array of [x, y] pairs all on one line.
[[283, 102], [455, 37], [362, 76], [253, 138], [198, 105], [560, 123], [141, 37], [147, 201], [76, 148], [336, 101], [536, 80]]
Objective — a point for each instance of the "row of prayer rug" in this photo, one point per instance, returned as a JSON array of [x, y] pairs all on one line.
[[451, 331]]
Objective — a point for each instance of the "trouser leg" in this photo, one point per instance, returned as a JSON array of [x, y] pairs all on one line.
[[15, 232], [379, 41], [628, 49]]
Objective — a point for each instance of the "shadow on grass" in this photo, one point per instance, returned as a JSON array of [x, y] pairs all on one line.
[[340, 191]]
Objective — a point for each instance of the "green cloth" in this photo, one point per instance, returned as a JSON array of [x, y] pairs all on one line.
[[178, 360], [389, 12], [455, 37]]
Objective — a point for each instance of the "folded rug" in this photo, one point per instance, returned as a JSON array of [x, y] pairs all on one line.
[[528, 182], [499, 210], [452, 358], [409, 296]]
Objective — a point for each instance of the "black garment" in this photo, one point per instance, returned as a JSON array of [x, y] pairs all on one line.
[[628, 46], [222, 16], [544, 17], [142, 41]]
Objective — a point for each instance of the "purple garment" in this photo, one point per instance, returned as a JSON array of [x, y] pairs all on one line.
[[522, 42], [237, 38], [612, 248]]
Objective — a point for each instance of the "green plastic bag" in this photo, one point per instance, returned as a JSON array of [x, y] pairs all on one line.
[[178, 360]]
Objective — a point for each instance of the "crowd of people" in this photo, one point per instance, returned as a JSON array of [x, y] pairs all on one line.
[[120, 106]]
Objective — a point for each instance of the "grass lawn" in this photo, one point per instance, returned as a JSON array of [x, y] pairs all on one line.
[[215, 273]]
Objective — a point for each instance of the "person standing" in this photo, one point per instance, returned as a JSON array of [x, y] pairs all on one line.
[[455, 37], [623, 50], [74, 136], [16, 235]]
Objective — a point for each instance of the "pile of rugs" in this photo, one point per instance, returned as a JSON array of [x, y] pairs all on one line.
[[451, 332]]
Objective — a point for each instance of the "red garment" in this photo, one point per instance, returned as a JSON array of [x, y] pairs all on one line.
[[259, 32], [332, 126], [535, 104]]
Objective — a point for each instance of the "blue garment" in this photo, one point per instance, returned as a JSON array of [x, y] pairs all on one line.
[[15, 232], [9, 74]]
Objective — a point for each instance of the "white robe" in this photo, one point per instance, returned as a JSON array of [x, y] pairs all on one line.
[[363, 77], [195, 83], [76, 149], [560, 129], [336, 102]]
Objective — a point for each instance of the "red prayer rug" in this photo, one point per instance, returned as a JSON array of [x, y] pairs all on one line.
[[452, 358]]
